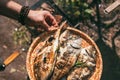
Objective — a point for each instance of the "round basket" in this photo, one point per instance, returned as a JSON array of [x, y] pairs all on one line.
[[38, 42]]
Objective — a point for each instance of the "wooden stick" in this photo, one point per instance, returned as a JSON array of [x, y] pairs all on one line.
[[112, 6], [11, 58], [56, 42]]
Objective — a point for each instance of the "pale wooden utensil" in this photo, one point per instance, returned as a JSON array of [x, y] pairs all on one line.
[[112, 6]]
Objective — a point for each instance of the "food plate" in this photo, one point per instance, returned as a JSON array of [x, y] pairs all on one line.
[[64, 54]]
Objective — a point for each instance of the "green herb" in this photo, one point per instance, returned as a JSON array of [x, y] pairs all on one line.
[[21, 36], [80, 64]]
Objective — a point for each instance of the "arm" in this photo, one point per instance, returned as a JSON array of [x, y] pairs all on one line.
[[12, 10]]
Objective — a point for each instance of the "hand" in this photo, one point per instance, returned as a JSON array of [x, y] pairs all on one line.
[[43, 19]]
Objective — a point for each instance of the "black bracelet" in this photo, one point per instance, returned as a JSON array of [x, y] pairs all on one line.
[[23, 14]]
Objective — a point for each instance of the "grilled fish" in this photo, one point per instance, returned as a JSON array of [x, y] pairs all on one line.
[[84, 66], [44, 62], [67, 55]]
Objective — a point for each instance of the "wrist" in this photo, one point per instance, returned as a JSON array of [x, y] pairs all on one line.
[[29, 19], [23, 14]]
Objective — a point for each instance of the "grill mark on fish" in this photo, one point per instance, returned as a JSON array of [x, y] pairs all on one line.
[[62, 68]]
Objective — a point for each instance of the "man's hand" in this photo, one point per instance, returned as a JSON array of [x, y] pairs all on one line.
[[43, 19]]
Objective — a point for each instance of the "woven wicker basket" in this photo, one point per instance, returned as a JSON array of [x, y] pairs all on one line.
[[87, 41]]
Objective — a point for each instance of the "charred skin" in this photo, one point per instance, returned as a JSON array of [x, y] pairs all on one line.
[[63, 66], [74, 75], [44, 60], [34, 55], [79, 74], [44, 65]]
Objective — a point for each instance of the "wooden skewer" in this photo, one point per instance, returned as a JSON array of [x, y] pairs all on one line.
[[112, 6], [11, 58], [56, 42]]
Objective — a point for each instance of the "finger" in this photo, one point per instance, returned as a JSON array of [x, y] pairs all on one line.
[[54, 23], [45, 25], [52, 20], [52, 28]]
